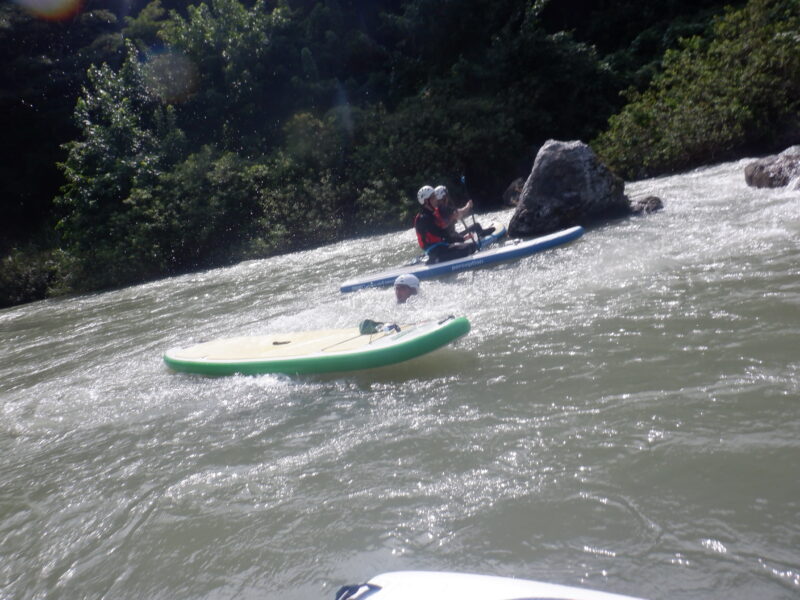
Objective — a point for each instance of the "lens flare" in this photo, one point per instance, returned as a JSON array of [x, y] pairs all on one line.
[[52, 10], [171, 76]]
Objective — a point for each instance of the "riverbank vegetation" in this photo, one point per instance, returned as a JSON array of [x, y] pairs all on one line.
[[172, 138], [717, 97]]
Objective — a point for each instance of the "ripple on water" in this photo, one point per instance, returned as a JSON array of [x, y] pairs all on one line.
[[621, 415]]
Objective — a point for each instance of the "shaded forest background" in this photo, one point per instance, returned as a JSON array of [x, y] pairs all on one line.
[[142, 140]]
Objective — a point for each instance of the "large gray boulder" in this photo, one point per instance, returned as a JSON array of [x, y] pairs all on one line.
[[774, 171], [567, 186]]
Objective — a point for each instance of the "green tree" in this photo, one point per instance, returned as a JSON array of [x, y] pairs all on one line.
[[144, 28], [212, 211], [485, 116], [110, 224], [44, 66], [244, 68], [715, 98]]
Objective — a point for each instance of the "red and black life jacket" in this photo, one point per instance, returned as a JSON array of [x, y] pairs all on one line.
[[430, 230]]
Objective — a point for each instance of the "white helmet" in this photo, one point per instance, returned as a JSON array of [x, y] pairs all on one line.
[[407, 279], [424, 193], [440, 191]]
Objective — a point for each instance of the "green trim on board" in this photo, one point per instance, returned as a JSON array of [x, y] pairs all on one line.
[[410, 342]]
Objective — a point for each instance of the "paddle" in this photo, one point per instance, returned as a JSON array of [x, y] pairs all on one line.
[[466, 191], [472, 234]]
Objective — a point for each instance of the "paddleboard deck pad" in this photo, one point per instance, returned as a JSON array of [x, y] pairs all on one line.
[[431, 585], [316, 351], [510, 250]]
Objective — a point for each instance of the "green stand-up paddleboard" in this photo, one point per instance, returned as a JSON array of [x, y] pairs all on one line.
[[316, 351]]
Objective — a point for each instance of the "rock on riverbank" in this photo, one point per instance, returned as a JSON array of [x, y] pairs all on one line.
[[569, 185]]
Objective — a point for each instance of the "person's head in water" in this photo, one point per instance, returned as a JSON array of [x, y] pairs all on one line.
[[405, 286]]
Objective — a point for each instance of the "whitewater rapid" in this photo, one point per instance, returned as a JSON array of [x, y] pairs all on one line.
[[622, 416]]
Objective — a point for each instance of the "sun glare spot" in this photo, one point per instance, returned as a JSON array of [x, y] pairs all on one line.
[[52, 10], [171, 76]]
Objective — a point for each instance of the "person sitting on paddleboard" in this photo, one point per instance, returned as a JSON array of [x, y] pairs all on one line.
[[405, 286], [448, 212], [431, 227]]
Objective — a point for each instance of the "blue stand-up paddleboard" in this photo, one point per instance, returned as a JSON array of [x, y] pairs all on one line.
[[431, 585], [317, 351], [510, 250]]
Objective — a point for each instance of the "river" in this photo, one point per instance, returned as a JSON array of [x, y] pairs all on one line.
[[623, 416]]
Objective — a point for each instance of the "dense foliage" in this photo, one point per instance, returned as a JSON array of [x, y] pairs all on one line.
[[736, 91], [192, 136], [244, 137], [44, 65]]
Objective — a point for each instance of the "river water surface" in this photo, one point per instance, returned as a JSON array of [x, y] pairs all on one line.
[[624, 416]]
